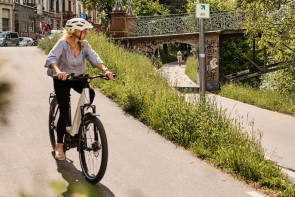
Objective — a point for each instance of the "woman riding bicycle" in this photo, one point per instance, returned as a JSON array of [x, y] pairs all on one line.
[[66, 57]]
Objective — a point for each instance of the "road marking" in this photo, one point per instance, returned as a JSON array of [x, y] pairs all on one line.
[[254, 194]]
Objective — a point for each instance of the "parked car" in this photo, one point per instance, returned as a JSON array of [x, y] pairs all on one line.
[[55, 32], [26, 41], [35, 43], [8, 38]]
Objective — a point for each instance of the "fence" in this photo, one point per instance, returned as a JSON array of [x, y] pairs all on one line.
[[184, 23]]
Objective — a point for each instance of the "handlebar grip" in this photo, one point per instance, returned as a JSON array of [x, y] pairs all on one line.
[[105, 77], [69, 76], [73, 77]]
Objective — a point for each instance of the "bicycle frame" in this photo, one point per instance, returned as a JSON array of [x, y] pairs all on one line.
[[83, 100]]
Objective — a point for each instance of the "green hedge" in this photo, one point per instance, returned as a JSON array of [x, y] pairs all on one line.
[[141, 91]]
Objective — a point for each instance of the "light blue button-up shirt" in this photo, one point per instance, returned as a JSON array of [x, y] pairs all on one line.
[[62, 55]]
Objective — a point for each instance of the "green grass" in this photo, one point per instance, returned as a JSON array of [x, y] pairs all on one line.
[[191, 68], [201, 127], [267, 99]]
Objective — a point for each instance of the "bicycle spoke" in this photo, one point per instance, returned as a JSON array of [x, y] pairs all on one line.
[[92, 150]]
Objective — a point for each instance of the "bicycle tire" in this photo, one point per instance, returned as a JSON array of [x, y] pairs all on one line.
[[52, 118], [102, 146]]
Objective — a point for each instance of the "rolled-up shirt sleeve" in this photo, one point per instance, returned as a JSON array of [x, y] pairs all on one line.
[[91, 55], [54, 54]]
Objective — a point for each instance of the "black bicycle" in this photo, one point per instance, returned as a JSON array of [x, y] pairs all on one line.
[[87, 133]]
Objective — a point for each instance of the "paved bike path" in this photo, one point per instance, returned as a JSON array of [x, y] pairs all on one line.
[[277, 129], [141, 162]]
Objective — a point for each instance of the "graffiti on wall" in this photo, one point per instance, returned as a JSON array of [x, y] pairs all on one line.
[[212, 61]]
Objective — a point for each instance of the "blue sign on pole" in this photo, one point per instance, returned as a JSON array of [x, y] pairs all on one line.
[[83, 16]]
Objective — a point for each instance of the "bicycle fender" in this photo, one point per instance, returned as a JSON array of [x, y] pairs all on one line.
[[91, 114]]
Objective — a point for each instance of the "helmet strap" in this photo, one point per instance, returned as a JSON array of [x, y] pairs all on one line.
[[79, 37]]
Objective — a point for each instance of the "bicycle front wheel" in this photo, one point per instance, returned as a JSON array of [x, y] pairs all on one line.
[[93, 150]]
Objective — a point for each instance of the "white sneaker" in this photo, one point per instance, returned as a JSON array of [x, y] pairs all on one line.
[[59, 155]]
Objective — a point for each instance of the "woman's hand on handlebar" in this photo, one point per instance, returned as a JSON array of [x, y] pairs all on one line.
[[61, 75], [109, 75]]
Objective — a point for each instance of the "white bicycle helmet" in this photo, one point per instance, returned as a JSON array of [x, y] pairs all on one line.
[[77, 24]]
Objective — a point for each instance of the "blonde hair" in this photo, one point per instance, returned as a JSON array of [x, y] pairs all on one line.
[[68, 34]]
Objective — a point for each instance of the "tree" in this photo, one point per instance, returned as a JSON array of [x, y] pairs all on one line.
[[271, 24], [215, 5], [148, 8], [140, 7], [175, 6], [103, 6]]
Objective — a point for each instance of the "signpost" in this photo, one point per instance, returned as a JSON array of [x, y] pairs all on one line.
[[202, 12]]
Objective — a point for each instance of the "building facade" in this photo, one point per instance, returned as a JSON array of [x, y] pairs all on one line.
[[6, 15], [28, 17]]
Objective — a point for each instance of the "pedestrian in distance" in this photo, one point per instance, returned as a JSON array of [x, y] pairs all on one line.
[[179, 58], [67, 57]]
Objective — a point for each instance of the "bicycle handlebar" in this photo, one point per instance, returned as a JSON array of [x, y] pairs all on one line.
[[79, 77]]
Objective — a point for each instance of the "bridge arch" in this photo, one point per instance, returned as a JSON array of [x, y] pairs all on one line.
[[146, 34]]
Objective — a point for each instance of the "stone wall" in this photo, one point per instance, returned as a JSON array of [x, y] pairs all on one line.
[[149, 46]]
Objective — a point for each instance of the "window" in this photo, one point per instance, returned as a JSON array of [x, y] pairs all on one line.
[[70, 6], [51, 5], [57, 6], [63, 6], [5, 24], [13, 35], [5, 19], [25, 27], [33, 27]]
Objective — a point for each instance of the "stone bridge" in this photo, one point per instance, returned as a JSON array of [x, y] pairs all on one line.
[[146, 34]]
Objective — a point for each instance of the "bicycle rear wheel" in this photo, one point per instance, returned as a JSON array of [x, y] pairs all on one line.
[[93, 150], [53, 118]]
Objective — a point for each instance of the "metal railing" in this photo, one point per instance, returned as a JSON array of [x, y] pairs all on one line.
[[185, 23]]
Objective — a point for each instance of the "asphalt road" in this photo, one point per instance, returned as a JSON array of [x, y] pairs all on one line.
[[141, 163]]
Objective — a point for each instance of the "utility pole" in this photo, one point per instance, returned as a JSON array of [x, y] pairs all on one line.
[[202, 57], [202, 11]]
